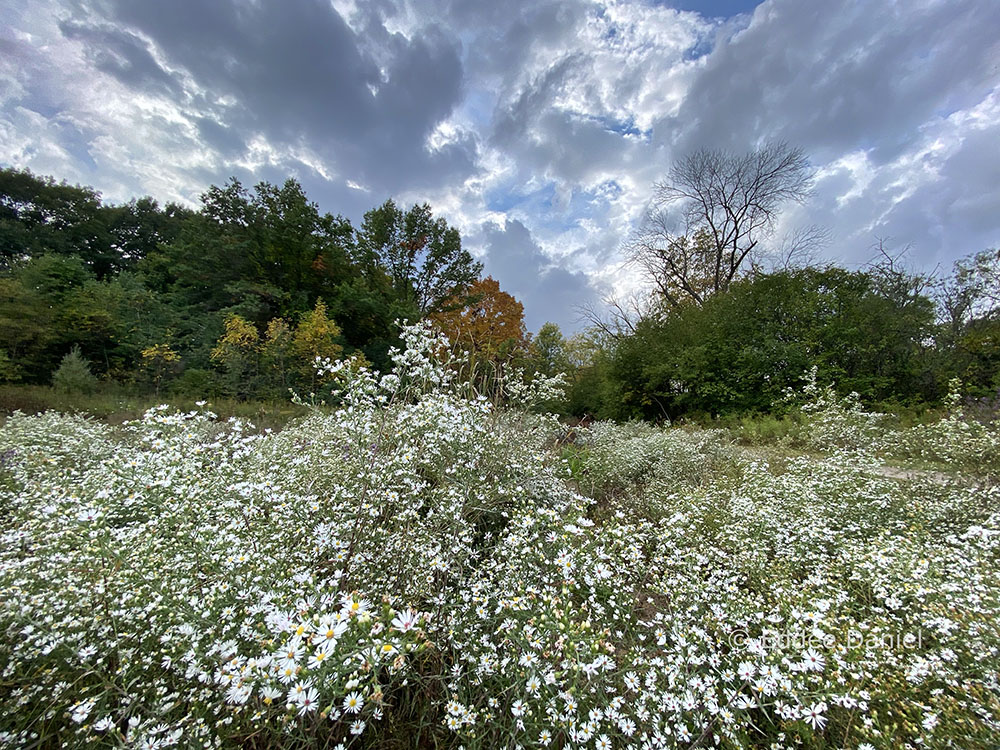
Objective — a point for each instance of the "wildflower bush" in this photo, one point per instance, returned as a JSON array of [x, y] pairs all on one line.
[[412, 569], [956, 441], [632, 456], [837, 421]]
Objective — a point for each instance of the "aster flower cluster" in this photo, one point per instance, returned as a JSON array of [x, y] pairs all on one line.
[[954, 442], [419, 567]]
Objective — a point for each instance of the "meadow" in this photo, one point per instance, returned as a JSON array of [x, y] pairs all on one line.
[[428, 566]]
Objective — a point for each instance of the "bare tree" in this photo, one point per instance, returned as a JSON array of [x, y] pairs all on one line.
[[892, 275], [725, 206], [972, 291], [618, 318], [797, 249]]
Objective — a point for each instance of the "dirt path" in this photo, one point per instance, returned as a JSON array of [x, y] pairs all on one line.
[[896, 472], [889, 471]]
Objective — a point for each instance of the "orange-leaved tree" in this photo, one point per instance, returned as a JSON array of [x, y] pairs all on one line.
[[486, 322]]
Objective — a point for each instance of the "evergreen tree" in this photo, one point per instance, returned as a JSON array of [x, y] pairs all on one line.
[[73, 374]]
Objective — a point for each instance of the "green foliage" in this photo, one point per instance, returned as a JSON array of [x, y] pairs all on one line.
[[422, 255], [39, 216], [739, 351], [73, 374], [255, 366], [27, 330], [548, 350], [196, 383], [118, 280], [768, 429], [9, 371]]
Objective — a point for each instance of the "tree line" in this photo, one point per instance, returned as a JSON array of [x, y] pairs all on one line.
[[737, 315], [240, 296], [237, 297]]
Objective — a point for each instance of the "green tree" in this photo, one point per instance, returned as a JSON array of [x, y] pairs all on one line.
[[548, 350], [423, 256], [53, 276], [10, 372], [258, 254], [27, 330], [969, 323], [738, 351], [73, 374], [592, 390], [139, 227], [39, 216]]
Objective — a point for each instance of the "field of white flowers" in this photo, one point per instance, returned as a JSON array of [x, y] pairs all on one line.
[[422, 568]]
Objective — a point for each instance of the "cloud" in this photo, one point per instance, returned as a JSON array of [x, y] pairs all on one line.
[[124, 56], [835, 76], [294, 73], [549, 292], [536, 128]]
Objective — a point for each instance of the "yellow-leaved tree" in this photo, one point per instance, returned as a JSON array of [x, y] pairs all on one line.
[[276, 351], [160, 360], [237, 352], [315, 336]]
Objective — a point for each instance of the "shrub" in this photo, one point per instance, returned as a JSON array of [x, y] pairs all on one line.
[[196, 383], [768, 429], [955, 440]]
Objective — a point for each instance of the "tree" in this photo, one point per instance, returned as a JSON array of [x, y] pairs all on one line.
[[489, 322], [548, 349], [969, 312], [971, 291], [39, 215], [10, 372], [269, 249], [277, 351], [138, 227], [73, 375], [32, 306], [741, 349], [422, 255], [237, 351], [592, 391], [316, 336], [160, 360], [725, 205]]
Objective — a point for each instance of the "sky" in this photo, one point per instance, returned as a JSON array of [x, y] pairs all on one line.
[[536, 128]]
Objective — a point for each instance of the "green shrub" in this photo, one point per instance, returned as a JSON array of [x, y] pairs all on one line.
[[768, 429], [196, 383], [9, 371]]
